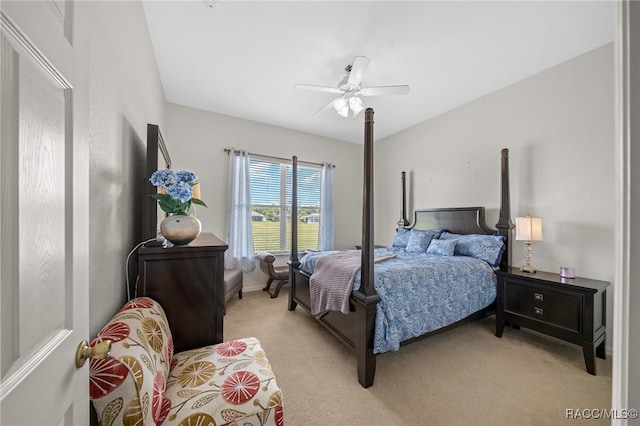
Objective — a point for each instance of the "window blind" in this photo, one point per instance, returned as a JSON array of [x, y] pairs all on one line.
[[270, 183]]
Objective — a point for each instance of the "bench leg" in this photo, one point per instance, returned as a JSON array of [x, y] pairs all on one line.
[[278, 287], [268, 286]]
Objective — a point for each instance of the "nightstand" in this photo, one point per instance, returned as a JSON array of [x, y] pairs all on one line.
[[571, 309]]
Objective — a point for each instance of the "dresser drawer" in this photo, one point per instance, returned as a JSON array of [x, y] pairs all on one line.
[[559, 308]]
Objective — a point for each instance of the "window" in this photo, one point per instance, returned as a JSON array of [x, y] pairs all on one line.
[[271, 202]]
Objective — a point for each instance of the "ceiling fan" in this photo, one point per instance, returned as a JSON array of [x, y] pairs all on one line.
[[349, 90]]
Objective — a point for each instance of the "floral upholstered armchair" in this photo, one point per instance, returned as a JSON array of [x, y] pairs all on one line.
[[142, 382]]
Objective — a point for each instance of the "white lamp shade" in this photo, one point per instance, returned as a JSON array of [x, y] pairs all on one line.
[[528, 228]]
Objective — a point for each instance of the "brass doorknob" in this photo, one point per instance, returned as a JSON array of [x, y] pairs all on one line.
[[99, 351]]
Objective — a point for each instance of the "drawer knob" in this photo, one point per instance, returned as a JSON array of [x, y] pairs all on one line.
[[538, 311], [538, 296]]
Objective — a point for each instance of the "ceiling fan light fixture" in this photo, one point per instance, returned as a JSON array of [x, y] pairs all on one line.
[[356, 105], [350, 90], [341, 106]]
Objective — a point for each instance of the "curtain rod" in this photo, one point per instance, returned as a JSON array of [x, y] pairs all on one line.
[[271, 157]]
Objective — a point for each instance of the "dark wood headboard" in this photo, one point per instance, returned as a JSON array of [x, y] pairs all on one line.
[[459, 220]]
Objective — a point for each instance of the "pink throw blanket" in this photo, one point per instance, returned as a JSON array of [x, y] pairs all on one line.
[[332, 280]]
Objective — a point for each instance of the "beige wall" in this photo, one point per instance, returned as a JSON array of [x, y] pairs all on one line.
[[196, 140], [559, 128], [124, 95]]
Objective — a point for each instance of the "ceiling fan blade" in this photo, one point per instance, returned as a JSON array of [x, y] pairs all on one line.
[[360, 65], [385, 90], [318, 88], [324, 108]]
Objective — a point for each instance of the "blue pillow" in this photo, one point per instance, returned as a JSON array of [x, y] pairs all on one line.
[[485, 247], [442, 247], [402, 236], [419, 240]]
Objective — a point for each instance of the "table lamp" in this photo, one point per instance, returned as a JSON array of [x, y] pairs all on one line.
[[528, 229]]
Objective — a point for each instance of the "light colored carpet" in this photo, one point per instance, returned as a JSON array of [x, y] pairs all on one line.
[[464, 376]]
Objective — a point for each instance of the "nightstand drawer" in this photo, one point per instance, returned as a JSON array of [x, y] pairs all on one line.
[[543, 304]]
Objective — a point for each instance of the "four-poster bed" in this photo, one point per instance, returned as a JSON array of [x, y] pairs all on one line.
[[357, 329]]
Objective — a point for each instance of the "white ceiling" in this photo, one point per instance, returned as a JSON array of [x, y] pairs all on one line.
[[242, 58]]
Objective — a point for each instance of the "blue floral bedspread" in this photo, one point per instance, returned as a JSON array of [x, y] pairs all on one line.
[[422, 292]]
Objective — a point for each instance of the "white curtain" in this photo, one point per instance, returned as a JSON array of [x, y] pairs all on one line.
[[239, 234], [325, 233]]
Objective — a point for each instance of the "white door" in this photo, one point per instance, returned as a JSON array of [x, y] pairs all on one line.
[[44, 215]]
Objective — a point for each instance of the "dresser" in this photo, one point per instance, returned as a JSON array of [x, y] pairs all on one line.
[[188, 282], [571, 309]]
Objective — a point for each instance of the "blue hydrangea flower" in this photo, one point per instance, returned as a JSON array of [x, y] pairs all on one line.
[[187, 176], [181, 191], [177, 194], [164, 178]]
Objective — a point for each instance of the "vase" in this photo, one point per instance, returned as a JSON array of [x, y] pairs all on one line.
[[180, 228]]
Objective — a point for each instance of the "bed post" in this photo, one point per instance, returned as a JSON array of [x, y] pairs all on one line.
[[366, 298], [504, 224], [403, 222], [366, 287], [293, 259]]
